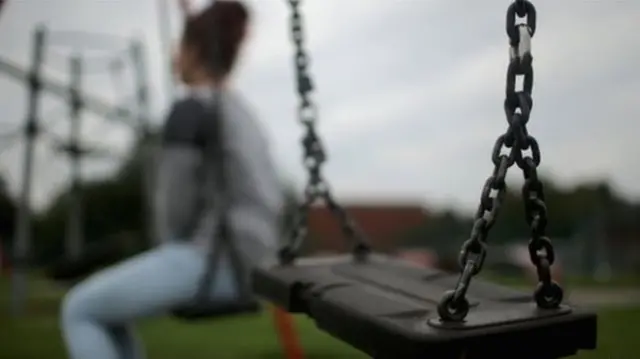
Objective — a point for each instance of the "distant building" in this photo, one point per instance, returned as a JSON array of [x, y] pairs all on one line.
[[383, 222]]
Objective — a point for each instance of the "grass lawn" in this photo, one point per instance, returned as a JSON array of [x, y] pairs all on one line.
[[37, 336]]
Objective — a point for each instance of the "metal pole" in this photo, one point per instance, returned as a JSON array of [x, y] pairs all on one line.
[[23, 226], [74, 233], [164, 27], [147, 145]]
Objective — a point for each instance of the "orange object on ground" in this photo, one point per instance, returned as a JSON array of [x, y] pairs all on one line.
[[287, 334]]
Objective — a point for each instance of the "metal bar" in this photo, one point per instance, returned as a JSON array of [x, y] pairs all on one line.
[[74, 233], [92, 63], [91, 103], [23, 233]]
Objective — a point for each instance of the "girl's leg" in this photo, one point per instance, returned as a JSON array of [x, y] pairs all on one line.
[[126, 341], [97, 314]]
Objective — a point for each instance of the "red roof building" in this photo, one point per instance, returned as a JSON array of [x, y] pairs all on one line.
[[383, 223]]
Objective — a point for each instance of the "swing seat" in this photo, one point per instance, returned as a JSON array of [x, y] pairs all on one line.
[[216, 310], [387, 308]]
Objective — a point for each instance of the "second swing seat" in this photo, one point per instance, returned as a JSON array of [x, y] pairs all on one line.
[[387, 308]]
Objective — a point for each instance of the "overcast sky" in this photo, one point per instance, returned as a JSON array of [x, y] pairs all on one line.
[[410, 91]]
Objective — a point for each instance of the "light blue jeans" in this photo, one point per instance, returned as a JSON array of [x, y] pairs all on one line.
[[98, 313]]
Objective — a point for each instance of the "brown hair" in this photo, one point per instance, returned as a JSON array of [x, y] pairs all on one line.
[[216, 34]]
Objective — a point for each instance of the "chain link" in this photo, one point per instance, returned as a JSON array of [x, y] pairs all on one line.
[[517, 106], [314, 157]]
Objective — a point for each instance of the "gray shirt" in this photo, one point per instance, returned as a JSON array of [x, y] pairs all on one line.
[[188, 202]]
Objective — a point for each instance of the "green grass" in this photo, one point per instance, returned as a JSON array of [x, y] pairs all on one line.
[[37, 336]]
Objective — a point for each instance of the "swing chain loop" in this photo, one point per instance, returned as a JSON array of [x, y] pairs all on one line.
[[517, 107], [314, 157]]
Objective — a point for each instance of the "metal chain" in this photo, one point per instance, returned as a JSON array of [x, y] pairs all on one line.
[[313, 158], [517, 106]]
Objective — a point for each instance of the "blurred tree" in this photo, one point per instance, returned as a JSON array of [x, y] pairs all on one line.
[[7, 215], [7, 210], [567, 209], [112, 206]]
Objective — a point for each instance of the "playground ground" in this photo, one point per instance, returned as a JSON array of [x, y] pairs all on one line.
[[253, 337]]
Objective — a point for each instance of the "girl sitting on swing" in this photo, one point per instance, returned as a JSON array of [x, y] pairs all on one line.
[[97, 314]]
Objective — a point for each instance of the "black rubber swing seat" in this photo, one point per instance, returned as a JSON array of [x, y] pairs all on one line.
[[387, 308], [213, 310]]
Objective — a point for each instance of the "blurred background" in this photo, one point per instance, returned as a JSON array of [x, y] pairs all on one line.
[[411, 96]]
